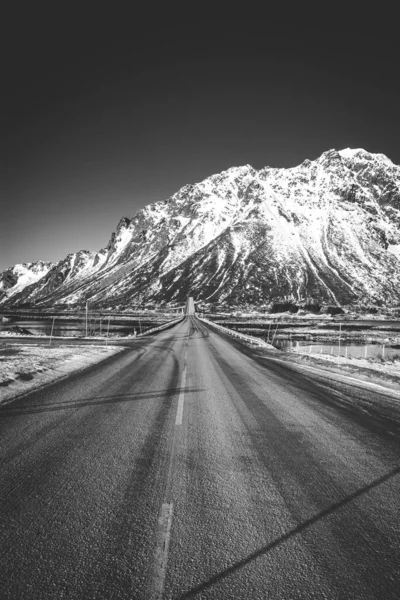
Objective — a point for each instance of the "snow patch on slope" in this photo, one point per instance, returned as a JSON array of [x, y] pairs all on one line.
[[15, 279]]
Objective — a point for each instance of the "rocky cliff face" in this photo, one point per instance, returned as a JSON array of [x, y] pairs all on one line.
[[326, 231]]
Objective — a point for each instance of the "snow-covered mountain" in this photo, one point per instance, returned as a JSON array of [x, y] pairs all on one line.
[[326, 231], [18, 277]]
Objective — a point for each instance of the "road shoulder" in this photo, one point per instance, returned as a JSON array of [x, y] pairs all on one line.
[[28, 367]]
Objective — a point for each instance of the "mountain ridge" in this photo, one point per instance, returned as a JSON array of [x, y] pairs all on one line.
[[325, 231]]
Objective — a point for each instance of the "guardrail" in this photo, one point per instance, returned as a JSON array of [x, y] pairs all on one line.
[[248, 338], [161, 327]]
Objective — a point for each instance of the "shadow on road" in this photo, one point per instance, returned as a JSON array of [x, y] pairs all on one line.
[[287, 536], [8, 411]]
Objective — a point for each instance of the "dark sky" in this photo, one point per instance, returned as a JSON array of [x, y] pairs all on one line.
[[105, 114]]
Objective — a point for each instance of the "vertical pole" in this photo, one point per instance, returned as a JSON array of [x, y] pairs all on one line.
[[277, 325], [269, 327], [340, 333], [383, 350], [140, 326], [51, 334], [346, 350], [108, 329], [87, 305]]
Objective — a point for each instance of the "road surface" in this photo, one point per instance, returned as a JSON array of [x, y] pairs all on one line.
[[185, 468]]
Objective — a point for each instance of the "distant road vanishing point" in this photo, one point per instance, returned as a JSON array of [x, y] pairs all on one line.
[[188, 467], [190, 310]]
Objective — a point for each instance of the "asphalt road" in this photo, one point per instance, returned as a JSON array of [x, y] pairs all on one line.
[[185, 468]]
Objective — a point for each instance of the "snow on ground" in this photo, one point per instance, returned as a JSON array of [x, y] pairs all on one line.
[[391, 367], [24, 367], [386, 374]]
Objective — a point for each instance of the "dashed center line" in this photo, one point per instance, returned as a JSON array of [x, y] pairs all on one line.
[[161, 556], [165, 518], [181, 399]]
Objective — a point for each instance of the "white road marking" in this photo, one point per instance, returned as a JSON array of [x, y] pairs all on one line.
[[161, 556], [165, 518], [181, 399]]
